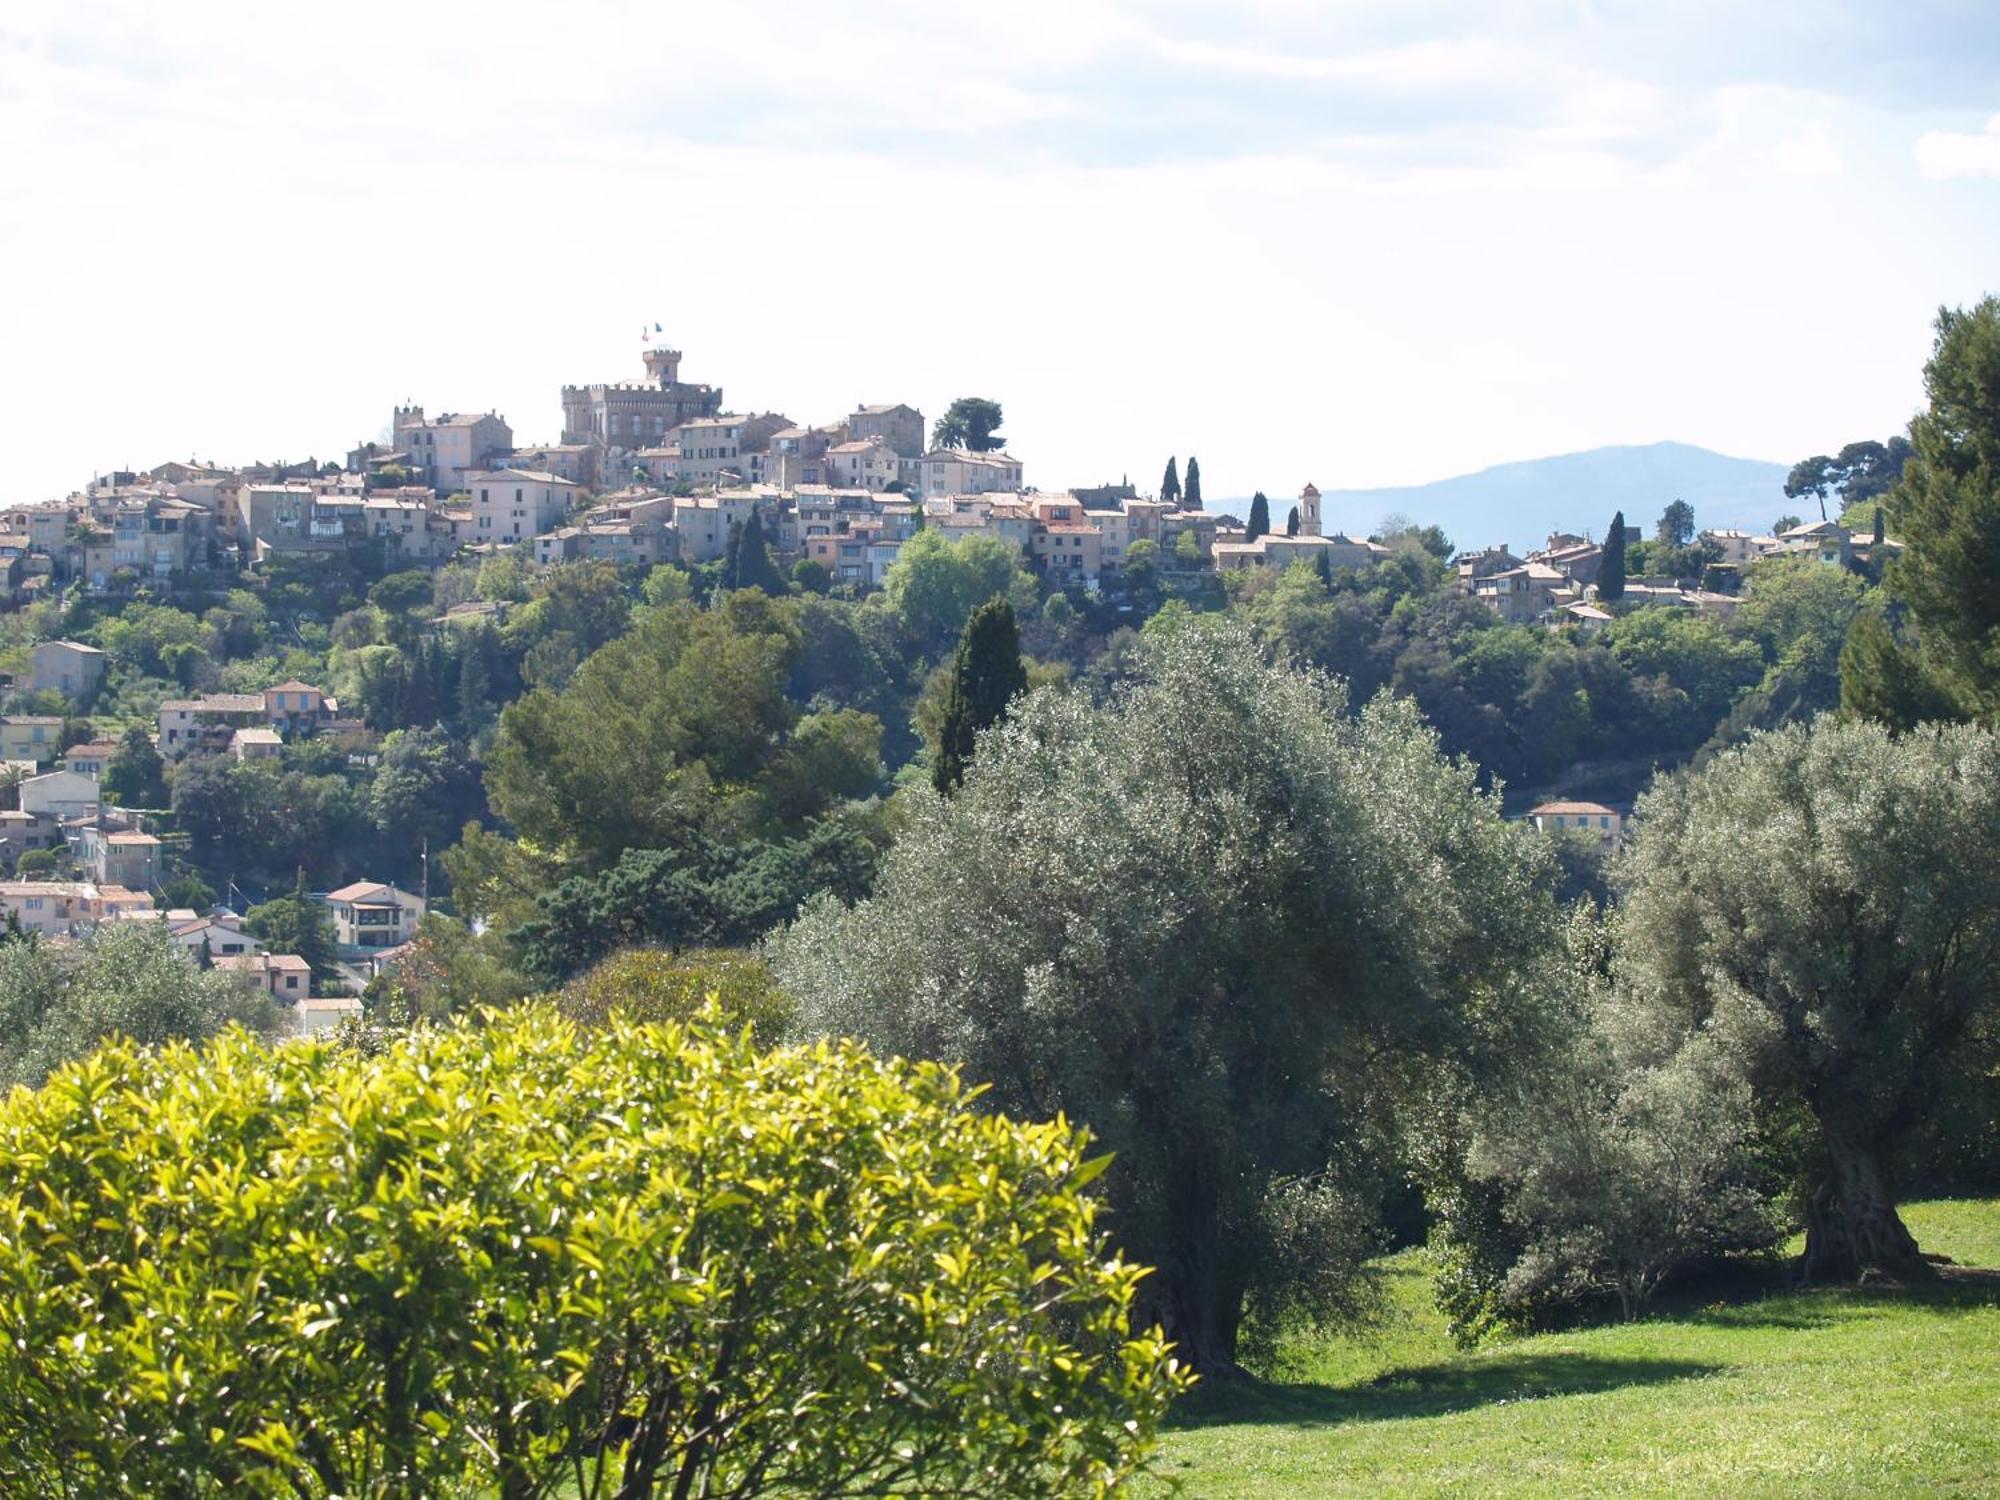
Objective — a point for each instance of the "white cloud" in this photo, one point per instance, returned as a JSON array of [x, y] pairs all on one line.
[[1945, 153], [1808, 154]]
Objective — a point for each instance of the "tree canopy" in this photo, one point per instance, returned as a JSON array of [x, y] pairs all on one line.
[[971, 423], [680, 728], [516, 1259], [1185, 918], [1824, 899], [1948, 509], [126, 979]]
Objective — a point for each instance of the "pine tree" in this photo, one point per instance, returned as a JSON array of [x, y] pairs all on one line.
[[1170, 486], [986, 675], [1260, 518], [296, 924], [1611, 573], [1191, 496], [1292, 522]]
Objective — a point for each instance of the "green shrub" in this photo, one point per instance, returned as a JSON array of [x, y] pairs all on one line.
[[652, 984], [505, 1258]]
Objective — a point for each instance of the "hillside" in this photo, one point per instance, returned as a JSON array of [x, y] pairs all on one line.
[[1521, 503], [1821, 1392]]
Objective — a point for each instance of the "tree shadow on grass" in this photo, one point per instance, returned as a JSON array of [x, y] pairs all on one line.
[[1428, 1390], [1956, 1289]]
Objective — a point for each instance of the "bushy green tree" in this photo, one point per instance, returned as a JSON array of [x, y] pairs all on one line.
[[970, 422], [1948, 508], [136, 776], [516, 1259], [1222, 922], [649, 985], [126, 979], [986, 676], [934, 585], [297, 924], [699, 894], [1823, 901], [681, 727], [1884, 676], [1619, 1153], [424, 788]]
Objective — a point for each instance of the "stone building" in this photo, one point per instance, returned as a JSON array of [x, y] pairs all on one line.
[[448, 449], [620, 418], [901, 427]]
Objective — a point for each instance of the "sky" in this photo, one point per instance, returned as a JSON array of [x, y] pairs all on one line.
[[1357, 244]]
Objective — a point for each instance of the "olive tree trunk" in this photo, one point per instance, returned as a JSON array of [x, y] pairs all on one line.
[[1852, 1227], [1194, 1294]]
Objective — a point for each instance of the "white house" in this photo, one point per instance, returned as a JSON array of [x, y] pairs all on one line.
[[368, 914], [60, 794], [955, 471], [512, 505]]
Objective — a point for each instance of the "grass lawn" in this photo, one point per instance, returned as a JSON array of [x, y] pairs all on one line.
[[1820, 1393]]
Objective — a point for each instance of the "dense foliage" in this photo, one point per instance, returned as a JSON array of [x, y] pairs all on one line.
[[1222, 922], [522, 1260], [1826, 904], [126, 979]]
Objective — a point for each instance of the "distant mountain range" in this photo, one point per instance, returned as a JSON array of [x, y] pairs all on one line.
[[1521, 503]]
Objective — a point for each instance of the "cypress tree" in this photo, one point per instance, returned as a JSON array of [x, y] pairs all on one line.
[[1611, 575], [1170, 486], [1326, 569], [1191, 496], [730, 555], [754, 568], [475, 681], [1292, 522], [420, 699], [1260, 517], [1879, 536], [986, 674]]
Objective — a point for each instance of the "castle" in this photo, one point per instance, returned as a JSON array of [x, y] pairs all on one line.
[[632, 417]]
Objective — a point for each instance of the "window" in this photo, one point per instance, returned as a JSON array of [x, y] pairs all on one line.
[[1603, 822]]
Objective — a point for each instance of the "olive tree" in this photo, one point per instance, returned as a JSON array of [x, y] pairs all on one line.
[[1625, 1150], [1222, 922], [1825, 902], [522, 1260], [126, 979]]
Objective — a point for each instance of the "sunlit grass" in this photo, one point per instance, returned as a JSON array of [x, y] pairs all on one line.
[[1824, 1393]]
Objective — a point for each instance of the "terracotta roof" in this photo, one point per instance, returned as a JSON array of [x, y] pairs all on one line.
[[1592, 809]]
